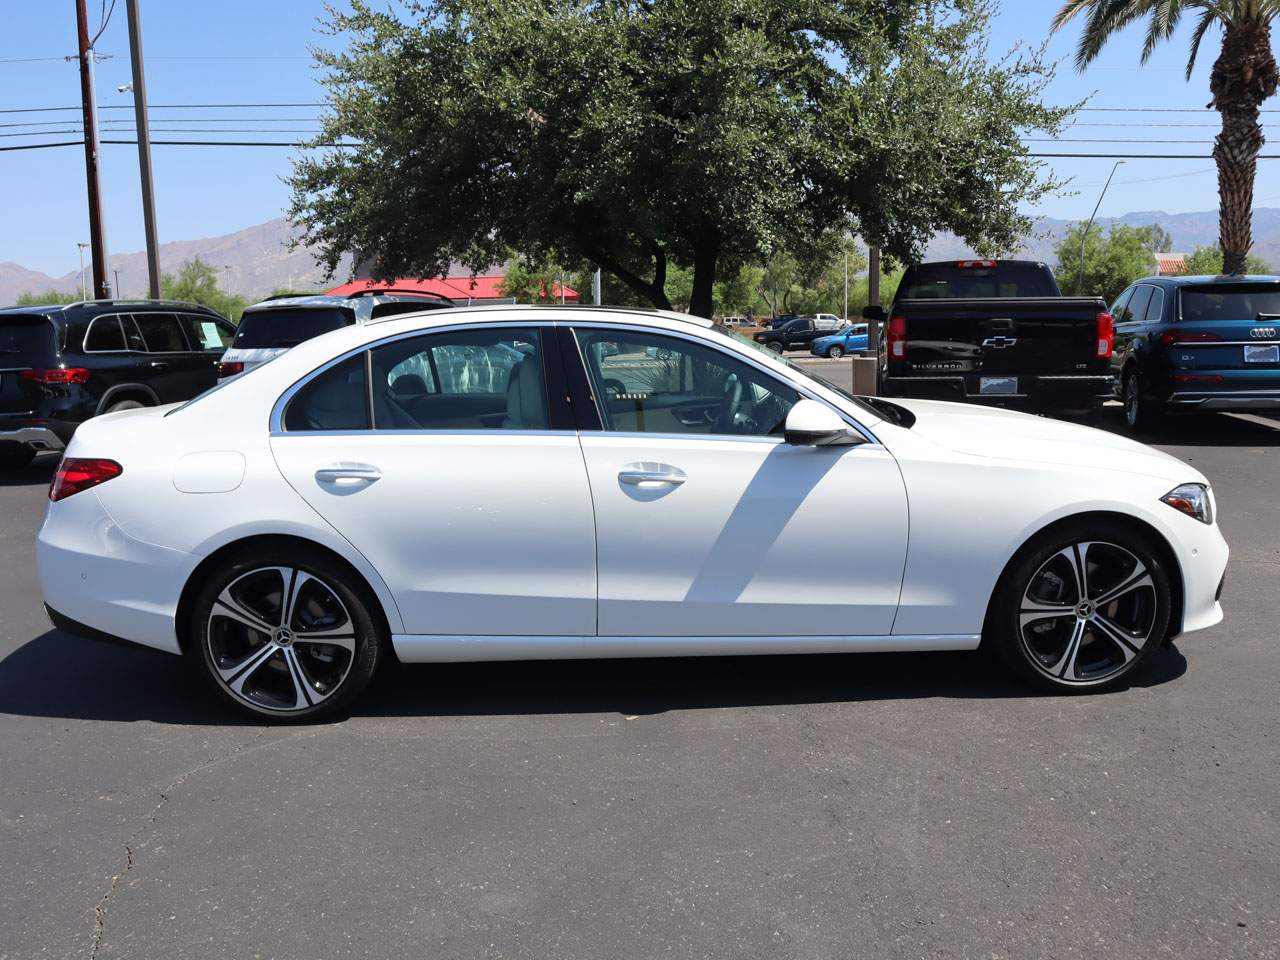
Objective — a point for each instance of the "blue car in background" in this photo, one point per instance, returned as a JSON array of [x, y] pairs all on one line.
[[852, 339], [1186, 344]]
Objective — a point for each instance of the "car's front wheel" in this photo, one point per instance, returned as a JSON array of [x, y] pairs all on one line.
[[1081, 606], [835, 352], [286, 634]]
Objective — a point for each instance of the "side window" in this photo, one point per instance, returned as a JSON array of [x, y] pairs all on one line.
[[647, 383], [1156, 306], [161, 332], [1138, 304], [461, 380], [335, 400], [132, 336], [104, 336], [1119, 309], [206, 333]]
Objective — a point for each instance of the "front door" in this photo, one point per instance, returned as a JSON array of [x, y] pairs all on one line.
[[455, 486], [708, 524]]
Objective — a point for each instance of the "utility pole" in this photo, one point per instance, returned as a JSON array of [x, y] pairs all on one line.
[[84, 293], [96, 239], [144, 150], [873, 296]]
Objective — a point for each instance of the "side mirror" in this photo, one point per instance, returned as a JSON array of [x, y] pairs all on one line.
[[813, 424], [873, 311]]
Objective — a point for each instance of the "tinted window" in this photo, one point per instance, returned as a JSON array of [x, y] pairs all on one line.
[[132, 338], [161, 332], [287, 326], [1231, 302], [207, 333], [1156, 306], [1120, 307], [946, 281], [1138, 302], [104, 334], [26, 341], [654, 384], [461, 380], [335, 400]]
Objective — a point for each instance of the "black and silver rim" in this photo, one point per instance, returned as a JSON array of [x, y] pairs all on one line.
[[1087, 613], [835, 353], [280, 639], [1131, 399]]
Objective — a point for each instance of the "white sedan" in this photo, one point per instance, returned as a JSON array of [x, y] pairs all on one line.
[[540, 482]]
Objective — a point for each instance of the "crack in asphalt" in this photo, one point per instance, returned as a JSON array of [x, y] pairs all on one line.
[[100, 911]]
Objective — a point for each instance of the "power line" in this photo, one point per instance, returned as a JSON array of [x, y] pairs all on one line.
[[173, 106]]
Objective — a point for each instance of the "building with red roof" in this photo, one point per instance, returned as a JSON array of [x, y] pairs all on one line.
[[462, 289]]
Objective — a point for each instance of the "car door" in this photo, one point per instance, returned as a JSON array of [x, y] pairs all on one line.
[[209, 338], [707, 523], [445, 461], [171, 368]]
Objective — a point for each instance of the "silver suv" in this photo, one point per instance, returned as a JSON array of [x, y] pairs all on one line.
[[269, 328]]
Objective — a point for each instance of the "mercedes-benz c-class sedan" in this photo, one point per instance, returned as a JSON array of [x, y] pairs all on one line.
[[541, 482]]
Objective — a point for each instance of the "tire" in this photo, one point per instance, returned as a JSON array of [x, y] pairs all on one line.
[[775, 346], [124, 405], [15, 456], [286, 672], [835, 351], [1051, 639], [1141, 414]]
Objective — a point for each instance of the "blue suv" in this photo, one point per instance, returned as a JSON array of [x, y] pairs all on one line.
[[852, 339], [1184, 344]]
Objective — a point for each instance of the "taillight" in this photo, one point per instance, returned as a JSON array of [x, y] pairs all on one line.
[[1106, 336], [897, 338], [78, 473], [1169, 339], [56, 375], [229, 368], [963, 264]]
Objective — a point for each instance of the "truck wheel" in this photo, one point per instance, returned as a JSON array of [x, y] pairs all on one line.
[[835, 352], [775, 346], [1141, 413]]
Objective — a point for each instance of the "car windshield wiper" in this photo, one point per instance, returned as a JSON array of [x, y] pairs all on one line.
[[1268, 316]]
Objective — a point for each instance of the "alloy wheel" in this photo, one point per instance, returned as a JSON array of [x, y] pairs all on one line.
[[1132, 400], [1087, 613], [836, 352], [280, 639]]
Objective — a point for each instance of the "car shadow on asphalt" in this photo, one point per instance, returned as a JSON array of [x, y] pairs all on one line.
[[62, 676], [1200, 429], [37, 473]]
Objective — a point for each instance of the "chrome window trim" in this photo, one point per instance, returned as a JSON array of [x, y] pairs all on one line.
[[276, 423], [119, 323], [801, 389]]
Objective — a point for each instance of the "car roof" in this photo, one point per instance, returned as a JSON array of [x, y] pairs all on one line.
[[361, 304], [95, 307], [1209, 280], [503, 312]]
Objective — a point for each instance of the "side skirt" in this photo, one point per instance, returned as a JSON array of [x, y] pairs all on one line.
[[419, 648]]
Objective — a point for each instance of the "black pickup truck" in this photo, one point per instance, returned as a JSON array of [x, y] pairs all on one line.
[[994, 331]]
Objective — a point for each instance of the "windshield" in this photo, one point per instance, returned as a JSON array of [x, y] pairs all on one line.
[[287, 327], [1221, 302], [946, 281], [895, 414]]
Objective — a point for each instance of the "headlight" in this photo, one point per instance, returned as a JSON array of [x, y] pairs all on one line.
[[1193, 499]]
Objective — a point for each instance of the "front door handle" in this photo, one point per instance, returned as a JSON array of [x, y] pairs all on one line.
[[651, 475], [348, 474], [158, 365]]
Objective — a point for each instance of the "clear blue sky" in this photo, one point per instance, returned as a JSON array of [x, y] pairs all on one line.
[[257, 51]]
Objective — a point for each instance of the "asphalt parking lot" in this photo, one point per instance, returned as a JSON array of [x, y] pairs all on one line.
[[913, 805]]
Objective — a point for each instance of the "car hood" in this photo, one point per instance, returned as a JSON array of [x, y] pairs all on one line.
[[1009, 435]]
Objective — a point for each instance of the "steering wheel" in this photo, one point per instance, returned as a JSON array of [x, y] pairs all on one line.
[[729, 406]]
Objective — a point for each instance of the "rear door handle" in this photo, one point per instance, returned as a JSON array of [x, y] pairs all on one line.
[[651, 474], [348, 474], [159, 364]]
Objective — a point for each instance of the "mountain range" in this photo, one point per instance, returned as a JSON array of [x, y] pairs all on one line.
[[257, 260]]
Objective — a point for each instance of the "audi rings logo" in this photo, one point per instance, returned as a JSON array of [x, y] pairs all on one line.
[[1263, 333]]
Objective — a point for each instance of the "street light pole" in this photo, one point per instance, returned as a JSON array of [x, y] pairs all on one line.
[[846, 284], [1085, 233]]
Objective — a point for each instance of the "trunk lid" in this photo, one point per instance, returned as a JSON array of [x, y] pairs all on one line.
[[1225, 328]]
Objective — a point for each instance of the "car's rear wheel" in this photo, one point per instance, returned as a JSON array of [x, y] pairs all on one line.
[[1140, 412], [835, 352], [286, 634], [775, 346], [1081, 606], [125, 405]]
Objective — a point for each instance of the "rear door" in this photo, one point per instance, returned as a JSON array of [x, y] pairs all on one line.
[[209, 338], [1231, 331], [27, 341], [172, 369]]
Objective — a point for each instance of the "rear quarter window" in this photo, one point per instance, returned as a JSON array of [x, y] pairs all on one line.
[[27, 341], [947, 281]]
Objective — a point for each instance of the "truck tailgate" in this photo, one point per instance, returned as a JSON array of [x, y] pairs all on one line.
[[1015, 336]]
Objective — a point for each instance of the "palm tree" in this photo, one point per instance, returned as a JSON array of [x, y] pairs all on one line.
[[1244, 75]]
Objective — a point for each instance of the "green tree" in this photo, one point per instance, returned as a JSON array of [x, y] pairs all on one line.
[[650, 135], [197, 282], [29, 299], [1243, 76], [1112, 260], [1208, 261]]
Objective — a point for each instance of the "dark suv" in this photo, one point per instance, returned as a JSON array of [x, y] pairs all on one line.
[[62, 364]]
